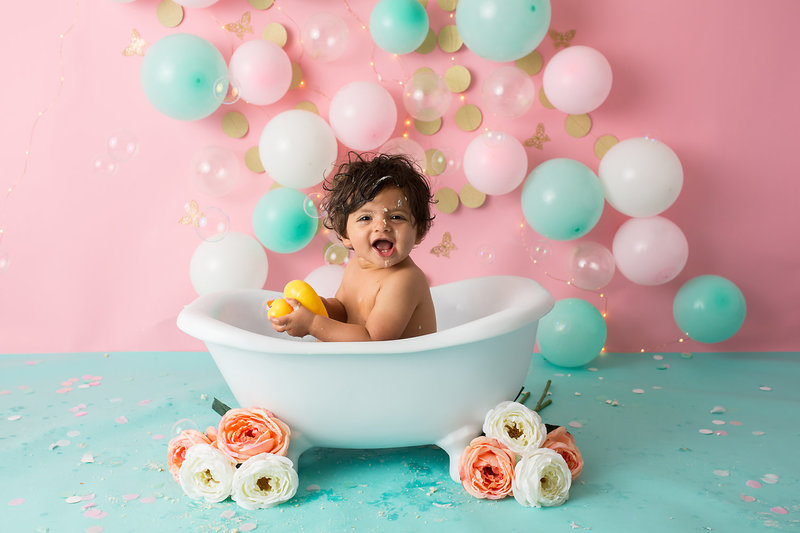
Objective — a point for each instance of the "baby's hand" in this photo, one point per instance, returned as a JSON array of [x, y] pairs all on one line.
[[296, 323]]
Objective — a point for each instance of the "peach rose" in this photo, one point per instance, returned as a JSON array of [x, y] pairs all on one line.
[[487, 469], [244, 433], [561, 441], [177, 447]]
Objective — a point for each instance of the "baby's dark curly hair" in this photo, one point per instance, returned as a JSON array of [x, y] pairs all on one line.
[[359, 179]]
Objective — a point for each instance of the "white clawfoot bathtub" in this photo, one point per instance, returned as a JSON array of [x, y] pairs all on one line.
[[432, 389]]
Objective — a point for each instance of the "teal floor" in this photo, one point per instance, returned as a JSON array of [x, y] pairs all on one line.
[[679, 442]]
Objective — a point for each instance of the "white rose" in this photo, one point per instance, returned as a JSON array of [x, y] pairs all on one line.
[[264, 480], [207, 473], [520, 429], [541, 478]]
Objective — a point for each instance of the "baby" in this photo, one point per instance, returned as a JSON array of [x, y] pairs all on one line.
[[380, 208]]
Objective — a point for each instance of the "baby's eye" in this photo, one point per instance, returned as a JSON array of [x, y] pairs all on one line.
[[398, 217], [364, 218]]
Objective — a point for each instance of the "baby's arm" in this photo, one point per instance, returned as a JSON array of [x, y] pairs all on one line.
[[395, 303]]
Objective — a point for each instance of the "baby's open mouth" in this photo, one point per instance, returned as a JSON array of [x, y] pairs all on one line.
[[383, 247]]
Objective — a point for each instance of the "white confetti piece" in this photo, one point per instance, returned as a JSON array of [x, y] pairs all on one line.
[[717, 409], [718, 422], [72, 434], [129, 497], [592, 369], [87, 458], [249, 526], [577, 394], [121, 420], [722, 473], [313, 488], [575, 424], [658, 357], [706, 432], [95, 529], [59, 443], [770, 478], [638, 391], [14, 418], [148, 499], [228, 514], [758, 433], [765, 388], [747, 498], [74, 499]]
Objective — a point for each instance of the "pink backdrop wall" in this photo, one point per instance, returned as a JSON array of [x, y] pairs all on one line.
[[100, 263]]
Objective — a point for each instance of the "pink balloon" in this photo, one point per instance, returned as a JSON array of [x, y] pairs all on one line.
[[326, 279], [495, 163], [591, 266], [261, 71], [577, 80], [363, 115], [650, 251]]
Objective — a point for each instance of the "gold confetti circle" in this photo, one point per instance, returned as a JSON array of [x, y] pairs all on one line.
[[447, 5], [252, 160], [297, 76], [531, 63], [169, 13], [235, 124], [276, 33], [428, 127], [307, 106], [449, 39], [435, 162], [469, 117], [578, 125], [604, 144], [261, 4], [429, 44], [446, 200], [421, 70], [543, 99], [471, 197], [457, 78]]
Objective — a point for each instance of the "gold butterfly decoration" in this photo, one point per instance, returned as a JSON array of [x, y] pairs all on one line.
[[136, 45], [539, 138], [241, 27], [193, 214], [444, 248], [561, 40]]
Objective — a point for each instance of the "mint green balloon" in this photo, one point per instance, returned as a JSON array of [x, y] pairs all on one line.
[[284, 220], [502, 30], [184, 76], [398, 26], [572, 333], [709, 308], [562, 199]]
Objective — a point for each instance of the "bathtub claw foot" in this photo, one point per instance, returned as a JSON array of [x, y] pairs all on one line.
[[297, 446], [455, 443]]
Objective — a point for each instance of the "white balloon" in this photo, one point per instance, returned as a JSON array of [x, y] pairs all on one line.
[[641, 177], [196, 3], [298, 148], [326, 279], [237, 261]]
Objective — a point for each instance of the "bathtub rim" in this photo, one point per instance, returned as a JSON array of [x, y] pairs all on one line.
[[532, 302]]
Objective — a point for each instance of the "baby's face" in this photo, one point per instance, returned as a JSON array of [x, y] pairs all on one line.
[[382, 232]]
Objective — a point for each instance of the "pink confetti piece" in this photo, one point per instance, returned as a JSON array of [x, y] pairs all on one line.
[[89, 505], [249, 526], [66, 383], [31, 363], [575, 424], [148, 499], [735, 423], [95, 529], [86, 376], [158, 436], [121, 420], [144, 402], [721, 432], [64, 390], [638, 391], [94, 383], [16, 501], [766, 388], [779, 510], [722, 473], [129, 497], [95, 513], [87, 497], [313, 488], [81, 413], [22, 387], [4, 392], [77, 407], [747, 498], [74, 379], [753, 484]]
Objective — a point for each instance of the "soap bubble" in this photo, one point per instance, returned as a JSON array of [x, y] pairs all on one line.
[[215, 170], [486, 254], [426, 95], [5, 260], [104, 166], [226, 91], [122, 146], [336, 254], [324, 36], [213, 224], [312, 205], [182, 425]]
